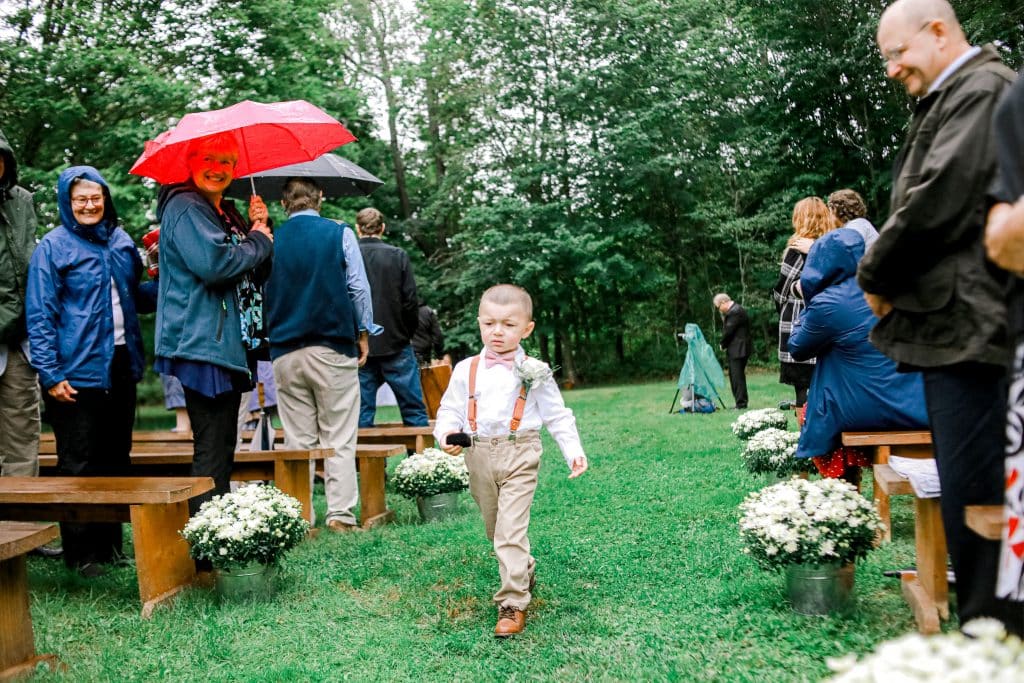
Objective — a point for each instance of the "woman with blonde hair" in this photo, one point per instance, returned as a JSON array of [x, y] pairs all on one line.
[[811, 220]]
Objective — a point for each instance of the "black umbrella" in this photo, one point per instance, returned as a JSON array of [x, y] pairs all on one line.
[[336, 176]]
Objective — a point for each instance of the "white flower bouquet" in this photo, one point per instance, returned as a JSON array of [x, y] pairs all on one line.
[[986, 653], [754, 421], [533, 372], [772, 451], [429, 473], [255, 524], [808, 522]]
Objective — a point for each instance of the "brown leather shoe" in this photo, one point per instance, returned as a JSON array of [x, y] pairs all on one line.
[[339, 527], [511, 620]]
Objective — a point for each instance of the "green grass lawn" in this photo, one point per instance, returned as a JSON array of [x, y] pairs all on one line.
[[640, 577]]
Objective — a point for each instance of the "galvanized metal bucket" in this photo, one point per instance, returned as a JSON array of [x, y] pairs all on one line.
[[438, 506], [820, 589], [252, 581]]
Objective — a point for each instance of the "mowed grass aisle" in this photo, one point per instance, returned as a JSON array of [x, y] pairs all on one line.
[[640, 577]]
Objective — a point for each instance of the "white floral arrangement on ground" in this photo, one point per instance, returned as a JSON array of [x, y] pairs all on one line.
[[429, 473], [983, 652], [808, 522], [772, 451], [256, 523], [533, 371], [753, 421]]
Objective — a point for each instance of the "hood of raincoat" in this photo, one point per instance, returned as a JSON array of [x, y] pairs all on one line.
[[99, 233], [10, 177], [832, 259]]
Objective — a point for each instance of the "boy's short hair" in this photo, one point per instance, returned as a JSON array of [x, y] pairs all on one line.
[[847, 205], [503, 295], [300, 194], [370, 221]]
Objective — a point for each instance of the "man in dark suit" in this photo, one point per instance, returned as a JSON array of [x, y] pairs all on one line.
[[736, 342]]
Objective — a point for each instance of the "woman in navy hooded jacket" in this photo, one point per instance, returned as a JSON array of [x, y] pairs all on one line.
[[854, 387], [86, 345]]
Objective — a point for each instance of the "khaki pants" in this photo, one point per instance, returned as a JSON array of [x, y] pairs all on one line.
[[502, 481], [318, 402], [19, 417]]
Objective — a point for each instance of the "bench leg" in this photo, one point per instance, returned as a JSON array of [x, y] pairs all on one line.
[[881, 457], [161, 554], [292, 477], [930, 542], [17, 647], [925, 614], [373, 507]]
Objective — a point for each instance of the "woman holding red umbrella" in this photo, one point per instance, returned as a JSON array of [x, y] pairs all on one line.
[[209, 328]]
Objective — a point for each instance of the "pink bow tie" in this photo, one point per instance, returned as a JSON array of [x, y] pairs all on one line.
[[507, 359]]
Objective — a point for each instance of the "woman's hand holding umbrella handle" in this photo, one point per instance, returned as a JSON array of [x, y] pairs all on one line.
[[257, 210]]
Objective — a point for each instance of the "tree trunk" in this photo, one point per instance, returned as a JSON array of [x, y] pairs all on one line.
[[620, 341], [570, 377]]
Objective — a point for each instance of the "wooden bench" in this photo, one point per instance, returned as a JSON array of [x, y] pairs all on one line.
[[372, 460], [413, 438], [881, 445], [927, 589], [289, 470], [17, 645], [985, 520], [433, 382], [157, 508]]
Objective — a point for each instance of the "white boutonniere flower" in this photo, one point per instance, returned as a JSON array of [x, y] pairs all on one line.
[[533, 372]]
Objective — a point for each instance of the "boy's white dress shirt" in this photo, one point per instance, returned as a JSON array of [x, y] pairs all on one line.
[[497, 389]]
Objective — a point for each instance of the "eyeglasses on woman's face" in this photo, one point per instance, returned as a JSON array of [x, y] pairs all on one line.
[[82, 202]]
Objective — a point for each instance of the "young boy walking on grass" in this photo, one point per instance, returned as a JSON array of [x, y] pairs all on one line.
[[500, 398]]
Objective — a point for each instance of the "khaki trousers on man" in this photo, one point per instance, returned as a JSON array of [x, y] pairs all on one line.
[[318, 403], [19, 417], [502, 481]]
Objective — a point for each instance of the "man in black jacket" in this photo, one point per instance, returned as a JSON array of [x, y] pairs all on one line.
[[940, 305], [395, 308], [736, 342]]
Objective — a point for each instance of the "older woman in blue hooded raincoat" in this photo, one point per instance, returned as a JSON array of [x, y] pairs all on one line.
[[87, 346], [854, 387]]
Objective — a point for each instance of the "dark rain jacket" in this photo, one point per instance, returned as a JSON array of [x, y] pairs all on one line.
[[197, 315], [929, 258], [428, 341], [393, 286], [1009, 184], [17, 240], [854, 387], [736, 333], [69, 306]]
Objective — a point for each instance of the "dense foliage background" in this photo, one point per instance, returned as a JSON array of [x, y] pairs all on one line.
[[622, 159]]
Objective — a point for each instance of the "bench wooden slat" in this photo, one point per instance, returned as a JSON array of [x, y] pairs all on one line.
[[17, 538], [985, 520], [892, 483], [118, 490], [400, 430], [887, 438]]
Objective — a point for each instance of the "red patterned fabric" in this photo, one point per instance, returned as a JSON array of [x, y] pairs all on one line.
[[835, 463]]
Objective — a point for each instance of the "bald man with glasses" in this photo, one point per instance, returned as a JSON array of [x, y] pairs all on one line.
[[941, 307]]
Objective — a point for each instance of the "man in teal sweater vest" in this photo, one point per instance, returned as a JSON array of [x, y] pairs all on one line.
[[319, 315]]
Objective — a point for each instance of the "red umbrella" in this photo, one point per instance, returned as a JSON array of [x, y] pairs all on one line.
[[268, 136]]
